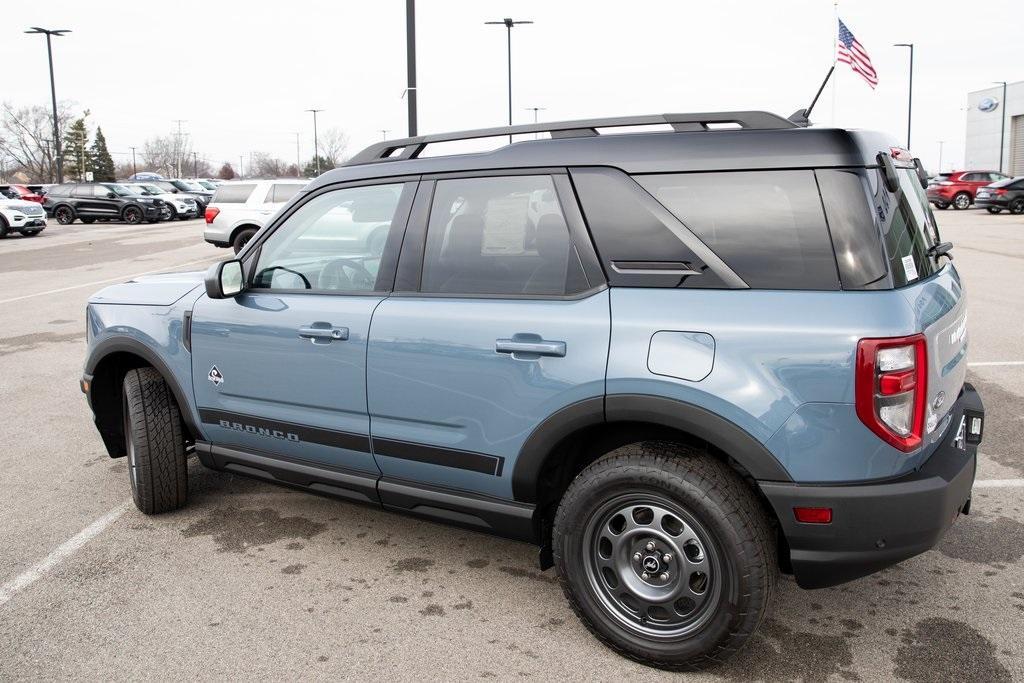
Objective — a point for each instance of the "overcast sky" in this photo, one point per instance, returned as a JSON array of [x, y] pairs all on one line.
[[241, 73]]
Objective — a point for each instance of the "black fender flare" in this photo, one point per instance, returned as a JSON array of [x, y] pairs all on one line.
[[113, 345], [725, 435]]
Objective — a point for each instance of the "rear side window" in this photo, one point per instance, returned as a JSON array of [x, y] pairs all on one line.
[[279, 193], [233, 194], [768, 226], [499, 236], [855, 236], [908, 228]]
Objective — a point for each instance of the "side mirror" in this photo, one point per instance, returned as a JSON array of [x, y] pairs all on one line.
[[224, 280], [111, 195]]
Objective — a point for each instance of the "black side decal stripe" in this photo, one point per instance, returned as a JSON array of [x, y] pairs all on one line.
[[435, 455], [404, 450], [325, 437]]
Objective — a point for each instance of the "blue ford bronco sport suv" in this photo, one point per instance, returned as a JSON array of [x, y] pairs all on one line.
[[679, 361]]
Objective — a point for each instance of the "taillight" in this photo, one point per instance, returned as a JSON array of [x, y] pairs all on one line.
[[211, 213], [945, 182], [891, 379]]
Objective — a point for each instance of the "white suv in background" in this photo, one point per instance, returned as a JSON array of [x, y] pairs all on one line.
[[17, 215], [239, 209]]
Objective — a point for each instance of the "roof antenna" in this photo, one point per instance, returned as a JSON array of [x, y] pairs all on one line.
[[802, 117]]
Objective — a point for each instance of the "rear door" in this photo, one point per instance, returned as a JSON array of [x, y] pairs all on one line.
[[280, 369], [496, 325]]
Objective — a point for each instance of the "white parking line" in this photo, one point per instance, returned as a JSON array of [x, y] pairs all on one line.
[[107, 281], [991, 363], [999, 484], [63, 551]]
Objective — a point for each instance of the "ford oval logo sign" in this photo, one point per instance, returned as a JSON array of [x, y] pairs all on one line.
[[988, 104]]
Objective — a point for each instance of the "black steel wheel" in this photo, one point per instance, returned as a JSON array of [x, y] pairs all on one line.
[[1017, 206], [132, 215], [64, 215]]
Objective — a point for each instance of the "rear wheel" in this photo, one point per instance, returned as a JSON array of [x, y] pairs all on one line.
[[64, 215], [1017, 206], [941, 205], [155, 443], [242, 238], [132, 215], [994, 209], [961, 201], [665, 555]]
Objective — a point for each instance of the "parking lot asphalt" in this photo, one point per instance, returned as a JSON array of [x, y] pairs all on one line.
[[252, 580]]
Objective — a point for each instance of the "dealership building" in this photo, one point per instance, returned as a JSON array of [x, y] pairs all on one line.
[[987, 113]]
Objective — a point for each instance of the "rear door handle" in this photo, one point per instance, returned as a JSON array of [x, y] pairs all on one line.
[[323, 333], [522, 349]]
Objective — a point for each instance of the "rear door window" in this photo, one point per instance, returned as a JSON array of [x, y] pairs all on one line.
[[233, 194], [768, 226]]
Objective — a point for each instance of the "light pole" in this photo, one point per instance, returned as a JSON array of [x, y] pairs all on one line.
[[384, 132], [240, 165], [298, 158], [941, 142], [1003, 126], [195, 165], [508, 23], [535, 110], [910, 88], [410, 60], [316, 143], [53, 94], [135, 170]]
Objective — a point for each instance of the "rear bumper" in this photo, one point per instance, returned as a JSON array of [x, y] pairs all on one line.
[[879, 524], [991, 202]]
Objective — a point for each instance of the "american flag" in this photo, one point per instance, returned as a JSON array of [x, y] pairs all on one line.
[[853, 53]]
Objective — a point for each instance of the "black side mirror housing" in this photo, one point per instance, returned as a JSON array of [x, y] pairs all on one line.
[[111, 195], [225, 280]]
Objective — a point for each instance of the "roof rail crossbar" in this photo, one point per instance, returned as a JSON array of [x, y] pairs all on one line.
[[411, 148]]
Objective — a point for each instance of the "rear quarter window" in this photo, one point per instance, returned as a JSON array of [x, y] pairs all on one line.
[[908, 228], [281, 192], [768, 226], [855, 237], [233, 194]]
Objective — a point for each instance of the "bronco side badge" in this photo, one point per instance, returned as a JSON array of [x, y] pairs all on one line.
[[215, 376]]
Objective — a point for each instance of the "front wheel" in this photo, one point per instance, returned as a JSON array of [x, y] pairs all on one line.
[[64, 215], [1017, 206], [132, 215], [155, 443], [994, 209], [665, 555], [961, 201]]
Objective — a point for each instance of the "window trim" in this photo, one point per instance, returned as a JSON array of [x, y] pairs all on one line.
[[389, 259], [408, 282]]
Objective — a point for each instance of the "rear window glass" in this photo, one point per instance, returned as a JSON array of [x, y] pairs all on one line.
[[908, 228], [855, 236], [281, 192], [768, 226], [232, 194]]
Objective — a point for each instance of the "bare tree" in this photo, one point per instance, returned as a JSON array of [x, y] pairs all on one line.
[[26, 139], [167, 154], [333, 143], [262, 165]]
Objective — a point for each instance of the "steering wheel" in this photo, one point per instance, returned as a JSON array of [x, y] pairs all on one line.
[[266, 271], [334, 277]]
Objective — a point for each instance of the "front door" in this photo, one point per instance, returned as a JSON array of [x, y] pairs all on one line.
[[280, 369], [504, 330]]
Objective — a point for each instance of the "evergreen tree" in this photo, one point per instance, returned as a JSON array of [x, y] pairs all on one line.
[[76, 149], [226, 172], [100, 162], [326, 164]]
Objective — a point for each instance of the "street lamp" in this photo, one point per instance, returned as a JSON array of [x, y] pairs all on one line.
[[53, 93], [384, 132], [508, 23], [910, 88], [298, 158], [1002, 129], [135, 170], [316, 143], [535, 110]]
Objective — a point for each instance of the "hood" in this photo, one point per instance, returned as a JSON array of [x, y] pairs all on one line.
[[18, 204], [150, 290]]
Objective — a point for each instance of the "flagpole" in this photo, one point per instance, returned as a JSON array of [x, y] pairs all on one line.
[[835, 56]]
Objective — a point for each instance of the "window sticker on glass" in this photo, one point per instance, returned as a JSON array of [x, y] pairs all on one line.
[[909, 268]]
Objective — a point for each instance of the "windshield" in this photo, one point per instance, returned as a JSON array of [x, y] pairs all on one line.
[[122, 190], [1006, 181], [207, 184], [188, 185], [151, 189]]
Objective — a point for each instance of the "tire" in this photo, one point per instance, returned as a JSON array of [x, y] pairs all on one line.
[[242, 238], [993, 209], [942, 206], [155, 443], [132, 215], [3, 227], [1017, 206], [727, 540], [88, 221], [65, 215], [961, 201], [30, 233]]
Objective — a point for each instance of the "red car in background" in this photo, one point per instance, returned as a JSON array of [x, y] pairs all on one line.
[[959, 187], [21, 192]]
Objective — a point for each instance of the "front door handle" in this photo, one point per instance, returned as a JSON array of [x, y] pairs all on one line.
[[323, 333], [527, 347]]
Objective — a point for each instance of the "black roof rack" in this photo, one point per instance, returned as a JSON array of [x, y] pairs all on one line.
[[411, 148]]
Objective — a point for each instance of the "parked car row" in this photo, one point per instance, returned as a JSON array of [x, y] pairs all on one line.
[[961, 189]]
